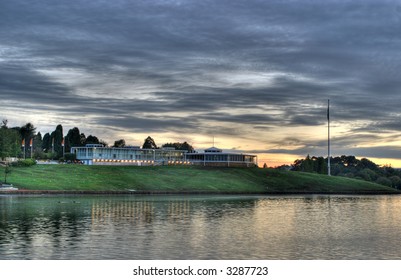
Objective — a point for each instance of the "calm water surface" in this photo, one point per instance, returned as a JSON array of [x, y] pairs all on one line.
[[200, 227]]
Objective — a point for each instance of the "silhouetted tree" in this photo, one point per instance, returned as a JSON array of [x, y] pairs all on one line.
[[179, 146], [119, 143], [365, 163], [27, 133], [72, 139], [320, 165], [37, 145], [92, 140], [82, 138], [46, 143], [57, 139], [149, 143]]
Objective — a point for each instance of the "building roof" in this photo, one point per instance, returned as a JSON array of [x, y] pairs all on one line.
[[213, 150]]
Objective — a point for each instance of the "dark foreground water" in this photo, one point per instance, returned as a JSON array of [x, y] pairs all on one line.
[[200, 227]]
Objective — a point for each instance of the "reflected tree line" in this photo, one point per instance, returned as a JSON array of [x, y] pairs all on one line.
[[24, 225]]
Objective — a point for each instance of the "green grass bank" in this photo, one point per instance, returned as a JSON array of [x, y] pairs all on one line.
[[183, 179]]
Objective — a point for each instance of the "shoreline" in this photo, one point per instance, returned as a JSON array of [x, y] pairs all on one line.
[[23, 192]]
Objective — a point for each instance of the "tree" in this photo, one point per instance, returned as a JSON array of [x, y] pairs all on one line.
[[91, 140], [349, 161], [72, 139], [365, 163], [367, 174], [395, 181], [119, 143], [384, 181], [10, 143], [57, 139], [149, 143], [104, 143], [37, 145], [46, 143], [180, 146], [27, 133], [4, 124], [82, 138], [321, 165], [296, 166], [307, 165]]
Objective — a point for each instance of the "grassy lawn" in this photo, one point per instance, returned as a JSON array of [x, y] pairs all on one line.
[[182, 178]]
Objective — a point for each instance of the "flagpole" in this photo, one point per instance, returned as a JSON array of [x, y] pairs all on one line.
[[328, 138]]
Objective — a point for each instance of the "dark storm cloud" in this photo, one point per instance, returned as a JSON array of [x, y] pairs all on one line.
[[26, 88], [185, 66], [144, 124]]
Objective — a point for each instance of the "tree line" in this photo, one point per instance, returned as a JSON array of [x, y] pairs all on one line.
[[25, 142], [351, 167]]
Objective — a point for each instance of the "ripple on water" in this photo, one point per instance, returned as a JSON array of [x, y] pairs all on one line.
[[200, 227]]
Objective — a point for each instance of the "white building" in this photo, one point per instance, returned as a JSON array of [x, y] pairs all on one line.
[[96, 154], [216, 157]]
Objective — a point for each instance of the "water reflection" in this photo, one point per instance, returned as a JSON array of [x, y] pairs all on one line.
[[117, 211], [173, 227]]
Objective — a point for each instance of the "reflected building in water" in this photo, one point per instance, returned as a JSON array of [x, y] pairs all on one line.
[[138, 211]]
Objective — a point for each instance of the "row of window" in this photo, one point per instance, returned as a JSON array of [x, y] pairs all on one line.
[[220, 158], [99, 153], [85, 153]]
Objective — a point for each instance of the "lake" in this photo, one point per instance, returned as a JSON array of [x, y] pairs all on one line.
[[200, 227]]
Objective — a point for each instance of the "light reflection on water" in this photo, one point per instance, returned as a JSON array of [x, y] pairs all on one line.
[[200, 227]]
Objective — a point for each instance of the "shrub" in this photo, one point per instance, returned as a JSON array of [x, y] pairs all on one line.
[[396, 181], [70, 157], [24, 163], [384, 181]]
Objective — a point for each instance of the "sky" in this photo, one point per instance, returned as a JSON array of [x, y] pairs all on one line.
[[254, 75]]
